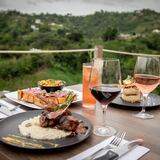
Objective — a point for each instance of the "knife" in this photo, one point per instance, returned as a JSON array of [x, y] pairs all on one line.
[[5, 111], [118, 152]]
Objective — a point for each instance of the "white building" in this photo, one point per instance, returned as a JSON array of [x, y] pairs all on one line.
[[34, 27], [53, 24], [156, 31], [38, 21], [123, 36]]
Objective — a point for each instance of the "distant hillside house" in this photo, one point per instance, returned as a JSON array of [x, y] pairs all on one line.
[[38, 21], [123, 36], [34, 28], [60, 25], [137, 11], [53, 24], [35, 49], [156, 31], [56, 25]]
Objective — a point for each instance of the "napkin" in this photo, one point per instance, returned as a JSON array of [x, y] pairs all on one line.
[[134, 154], [10, 107]]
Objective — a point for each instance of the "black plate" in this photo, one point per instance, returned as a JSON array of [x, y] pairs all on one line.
[[153, 101], [9, 127]]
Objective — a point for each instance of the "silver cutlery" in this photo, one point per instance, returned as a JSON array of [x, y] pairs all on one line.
[[113, 144], [116, 153], [7, 108], [5, 111], [7, 104]]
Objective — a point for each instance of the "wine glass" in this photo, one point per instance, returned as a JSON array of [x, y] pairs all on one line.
[[147, 78], [108, 75]]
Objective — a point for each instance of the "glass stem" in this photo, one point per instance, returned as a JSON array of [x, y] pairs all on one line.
[[104, 109], [145, 102], [143, 109]]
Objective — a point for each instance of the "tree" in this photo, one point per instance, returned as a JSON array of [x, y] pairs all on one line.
[[152, 41], [110, 34], [45, 28], [75, 36]]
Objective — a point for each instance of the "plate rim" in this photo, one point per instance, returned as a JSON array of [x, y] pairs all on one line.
[[48, 148], [134, 105]]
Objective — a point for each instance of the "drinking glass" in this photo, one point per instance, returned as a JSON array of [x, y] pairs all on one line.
[[87, 99], [108, 74], [147, 78]]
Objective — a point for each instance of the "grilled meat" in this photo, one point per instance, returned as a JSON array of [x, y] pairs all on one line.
[[51, 119], [62, 120], [68, 123]]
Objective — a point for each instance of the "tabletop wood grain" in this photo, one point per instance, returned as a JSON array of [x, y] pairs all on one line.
[[120, 118]]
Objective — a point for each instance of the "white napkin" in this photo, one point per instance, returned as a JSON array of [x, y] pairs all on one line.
[[5, 103], [134, 154], [10, 107], [2, 116]]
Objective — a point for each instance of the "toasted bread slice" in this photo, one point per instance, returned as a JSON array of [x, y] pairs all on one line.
[[44, 99]]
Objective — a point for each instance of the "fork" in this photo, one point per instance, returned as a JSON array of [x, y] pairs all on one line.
[[113, 144]]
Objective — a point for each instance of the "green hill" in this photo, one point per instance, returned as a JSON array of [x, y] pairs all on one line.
[[49, 31]]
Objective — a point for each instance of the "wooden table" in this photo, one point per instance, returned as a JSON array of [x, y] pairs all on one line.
[[122, 119]]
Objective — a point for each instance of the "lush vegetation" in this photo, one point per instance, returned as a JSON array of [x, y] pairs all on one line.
[[136, 31]]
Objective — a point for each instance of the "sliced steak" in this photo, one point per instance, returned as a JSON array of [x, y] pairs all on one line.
[[68, 123], [62, 120]]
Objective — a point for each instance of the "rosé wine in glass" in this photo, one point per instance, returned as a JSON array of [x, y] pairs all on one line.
[[147, 78]]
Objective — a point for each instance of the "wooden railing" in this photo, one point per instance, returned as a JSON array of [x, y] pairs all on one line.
[[98, 52]]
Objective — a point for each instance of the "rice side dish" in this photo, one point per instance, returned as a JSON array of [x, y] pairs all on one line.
[[31, 128]]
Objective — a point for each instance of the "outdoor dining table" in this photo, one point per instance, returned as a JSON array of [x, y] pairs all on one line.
[[120, 118]]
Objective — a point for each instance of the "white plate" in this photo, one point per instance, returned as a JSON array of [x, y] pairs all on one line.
[[13, 96]]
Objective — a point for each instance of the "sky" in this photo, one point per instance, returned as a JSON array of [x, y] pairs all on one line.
[[77, 7]]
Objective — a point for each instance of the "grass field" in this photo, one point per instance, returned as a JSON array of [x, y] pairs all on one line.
[[31, 80]]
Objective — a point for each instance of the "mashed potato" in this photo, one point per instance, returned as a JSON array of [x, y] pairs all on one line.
[[31, 128]]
